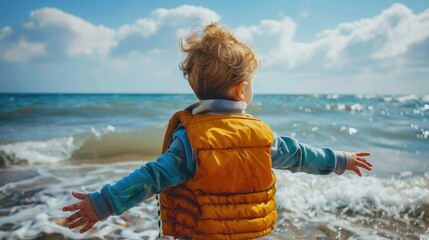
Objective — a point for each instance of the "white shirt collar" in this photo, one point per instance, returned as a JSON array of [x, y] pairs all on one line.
[[218, 106]]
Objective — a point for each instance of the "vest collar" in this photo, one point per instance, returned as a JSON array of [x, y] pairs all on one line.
[[218, 106]]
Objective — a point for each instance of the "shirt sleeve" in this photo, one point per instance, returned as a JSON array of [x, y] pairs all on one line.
[[170, 169], [288, 153]]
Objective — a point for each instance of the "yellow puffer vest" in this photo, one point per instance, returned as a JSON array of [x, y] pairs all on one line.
[[231, 195]]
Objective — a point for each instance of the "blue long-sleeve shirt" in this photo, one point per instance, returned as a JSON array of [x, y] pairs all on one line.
[[177, 164]]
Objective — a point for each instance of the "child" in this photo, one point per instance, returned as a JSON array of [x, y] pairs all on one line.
[[215, 175]]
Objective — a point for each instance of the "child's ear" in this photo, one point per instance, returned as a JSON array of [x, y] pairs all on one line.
[[240, 90]]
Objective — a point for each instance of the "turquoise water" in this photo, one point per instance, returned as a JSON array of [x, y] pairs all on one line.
[[44, 137], [394, 128]]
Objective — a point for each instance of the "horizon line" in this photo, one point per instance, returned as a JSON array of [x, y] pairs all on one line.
[[188, 93]]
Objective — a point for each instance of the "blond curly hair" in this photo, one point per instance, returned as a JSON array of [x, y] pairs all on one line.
[[215, 61]]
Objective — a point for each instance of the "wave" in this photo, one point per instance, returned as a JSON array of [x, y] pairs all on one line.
[[367, 207], [102, 143], [314, 195], [145, 106], [87, 111], [17, 106]]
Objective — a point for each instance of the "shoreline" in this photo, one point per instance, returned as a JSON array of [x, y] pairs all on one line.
[[310, 206], [114, 159]]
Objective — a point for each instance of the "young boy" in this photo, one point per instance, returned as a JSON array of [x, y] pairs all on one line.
[[215, 174]]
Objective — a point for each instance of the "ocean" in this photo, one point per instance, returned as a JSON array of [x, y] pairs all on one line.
[[52, 144]]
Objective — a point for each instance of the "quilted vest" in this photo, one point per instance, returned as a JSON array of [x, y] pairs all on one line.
[[231, 195]]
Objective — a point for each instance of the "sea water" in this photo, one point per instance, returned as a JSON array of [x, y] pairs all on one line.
[[52, 144]]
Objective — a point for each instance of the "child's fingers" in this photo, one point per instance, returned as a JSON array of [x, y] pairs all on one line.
[[80, 196], [79, 222], [88, 226], [357, 171], [363, 154], [363, 164], [366, 161], [75, 216], [73, 207]]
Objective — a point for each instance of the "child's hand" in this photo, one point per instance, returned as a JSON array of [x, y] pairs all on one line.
[[356, 160], [85, 214]]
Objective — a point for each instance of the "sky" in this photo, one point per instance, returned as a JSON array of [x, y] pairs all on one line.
[[305, 46]]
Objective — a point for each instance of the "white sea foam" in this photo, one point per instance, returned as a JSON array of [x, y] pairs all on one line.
[[42, 211], [341, 107], [332, 96], [387, 98], [103, 142], [407, 98], [362, 195], [100, 133], [352, 131], [320, 198], [337, 201], [424, 108], [357, 107], [50, 151]]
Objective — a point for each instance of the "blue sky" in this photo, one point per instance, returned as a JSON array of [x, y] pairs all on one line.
[[308, 46]]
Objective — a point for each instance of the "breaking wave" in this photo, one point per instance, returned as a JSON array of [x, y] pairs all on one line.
[[106, 142]]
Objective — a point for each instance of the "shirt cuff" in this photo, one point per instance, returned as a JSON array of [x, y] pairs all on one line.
[[100, 205], [341, 165]]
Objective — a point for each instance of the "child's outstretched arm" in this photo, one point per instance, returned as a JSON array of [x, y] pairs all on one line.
[[288, 153], [171, 168], [85, 214]]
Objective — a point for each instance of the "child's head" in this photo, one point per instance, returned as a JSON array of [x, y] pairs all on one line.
[[216, 62]]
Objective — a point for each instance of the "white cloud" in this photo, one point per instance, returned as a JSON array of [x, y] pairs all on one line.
[[385, 47], [83, 37], [386, 36], [360, 56], [176, 17], [181, 15], [5, 32], [410, 29], [144, 27], [21, 51], [67, 35], [274, 41]]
